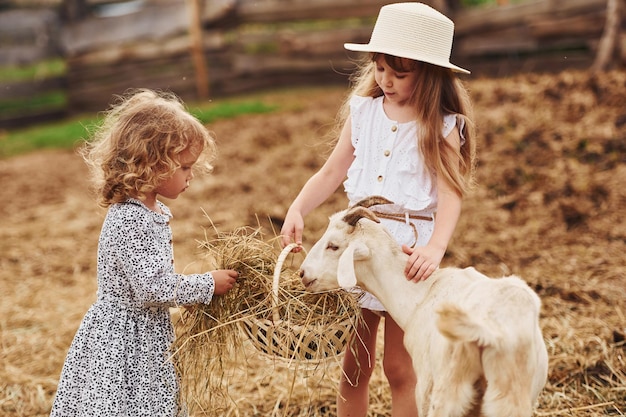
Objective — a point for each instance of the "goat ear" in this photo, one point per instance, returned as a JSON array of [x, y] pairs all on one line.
[[356, 250]]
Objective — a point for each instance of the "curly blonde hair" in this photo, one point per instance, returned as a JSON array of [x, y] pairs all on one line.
[[138, 143], [438, 92]]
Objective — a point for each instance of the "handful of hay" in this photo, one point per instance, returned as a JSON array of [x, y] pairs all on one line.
[[268, 307]]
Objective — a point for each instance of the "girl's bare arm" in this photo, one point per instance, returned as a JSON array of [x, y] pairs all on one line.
[[319, 187]]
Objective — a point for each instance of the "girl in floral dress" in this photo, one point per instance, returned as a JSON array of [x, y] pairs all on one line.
[[118, 362]]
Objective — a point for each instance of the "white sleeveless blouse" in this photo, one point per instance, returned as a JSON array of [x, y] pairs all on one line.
[[387, 160]]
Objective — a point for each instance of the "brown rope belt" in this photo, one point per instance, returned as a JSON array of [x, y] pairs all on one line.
[[404, 218]]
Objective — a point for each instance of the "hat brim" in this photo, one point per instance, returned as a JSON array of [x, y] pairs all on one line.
[[403, 54]]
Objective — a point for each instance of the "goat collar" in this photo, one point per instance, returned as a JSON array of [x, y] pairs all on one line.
[[404, 217]]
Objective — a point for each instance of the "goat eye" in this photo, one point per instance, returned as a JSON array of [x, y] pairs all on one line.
[[332, 247]]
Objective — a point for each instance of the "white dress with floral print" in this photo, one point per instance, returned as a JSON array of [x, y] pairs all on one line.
[[118, 362]]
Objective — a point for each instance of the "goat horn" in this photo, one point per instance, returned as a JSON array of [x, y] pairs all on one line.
[[357, 213], [372, 201]]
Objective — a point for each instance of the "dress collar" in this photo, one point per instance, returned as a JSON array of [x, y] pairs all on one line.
[[165, 217]]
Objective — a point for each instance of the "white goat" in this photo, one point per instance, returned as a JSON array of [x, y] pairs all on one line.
[[475, 342]]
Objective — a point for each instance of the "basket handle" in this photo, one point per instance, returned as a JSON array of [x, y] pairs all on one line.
[[277, 270]]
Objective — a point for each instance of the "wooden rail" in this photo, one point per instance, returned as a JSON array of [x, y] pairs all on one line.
[[260, 44]]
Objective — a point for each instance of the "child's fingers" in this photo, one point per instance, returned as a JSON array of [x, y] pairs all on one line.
[[298, 238], [285, 239], [291, 235]]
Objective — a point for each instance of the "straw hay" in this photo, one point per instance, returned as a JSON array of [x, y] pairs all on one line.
[[286, 324], [549, 206]]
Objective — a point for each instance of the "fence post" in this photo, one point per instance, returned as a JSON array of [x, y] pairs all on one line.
[[197, 49]]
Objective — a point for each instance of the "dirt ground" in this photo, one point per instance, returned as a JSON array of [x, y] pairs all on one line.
[[549, 206]]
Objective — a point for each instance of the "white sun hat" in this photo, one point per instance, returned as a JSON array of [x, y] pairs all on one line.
[[412, 30]]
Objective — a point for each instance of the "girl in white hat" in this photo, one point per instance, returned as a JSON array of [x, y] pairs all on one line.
[[407, 135]]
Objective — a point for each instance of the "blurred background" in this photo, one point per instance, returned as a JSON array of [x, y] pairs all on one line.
[[59, 57]]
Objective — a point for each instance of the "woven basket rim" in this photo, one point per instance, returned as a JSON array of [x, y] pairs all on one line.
[[295, 332]]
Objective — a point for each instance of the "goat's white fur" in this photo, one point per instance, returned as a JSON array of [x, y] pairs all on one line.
[[475, 342]]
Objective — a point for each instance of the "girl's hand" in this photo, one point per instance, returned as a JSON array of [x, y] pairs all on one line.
[[423, 261], [224, 280], [292, 230]]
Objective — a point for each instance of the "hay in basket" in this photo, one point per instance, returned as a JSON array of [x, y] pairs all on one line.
[[267, 308]]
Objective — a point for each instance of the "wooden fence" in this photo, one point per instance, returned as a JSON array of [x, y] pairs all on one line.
[[26, 112], [539, 35], [249, 45], [28, 36], [256, 44]]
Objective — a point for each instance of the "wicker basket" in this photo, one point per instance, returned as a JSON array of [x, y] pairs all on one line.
[[317, 338]]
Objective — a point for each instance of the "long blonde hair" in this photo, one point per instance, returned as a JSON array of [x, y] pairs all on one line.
[[138, 143], [438, 92]]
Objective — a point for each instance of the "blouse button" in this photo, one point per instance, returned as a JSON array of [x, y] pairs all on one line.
[[394, 128], [387, 152], [380, 178]]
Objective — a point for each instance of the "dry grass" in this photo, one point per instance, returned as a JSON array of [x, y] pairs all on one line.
[[549, 207], [267, 310]]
